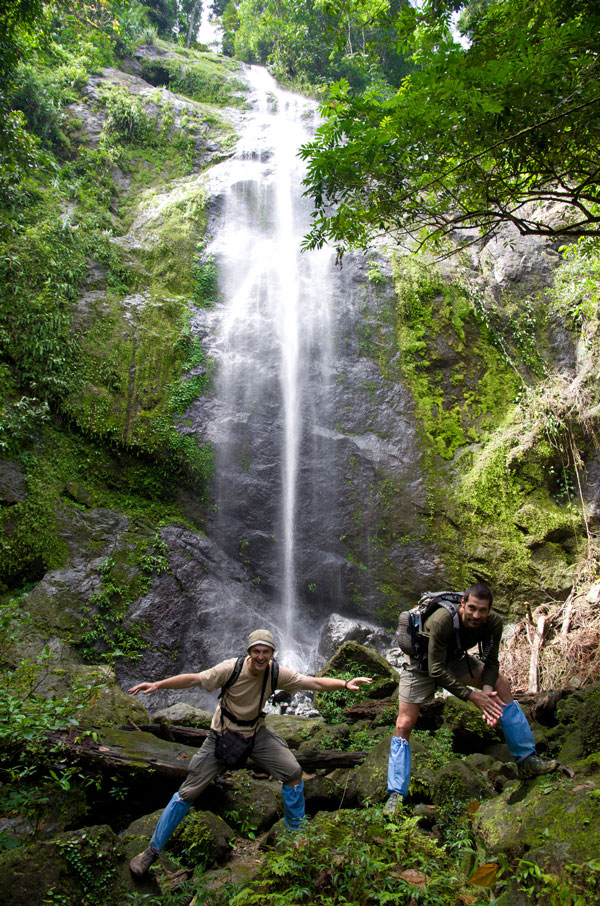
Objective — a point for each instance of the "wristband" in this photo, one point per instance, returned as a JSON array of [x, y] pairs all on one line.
[[346, 683]]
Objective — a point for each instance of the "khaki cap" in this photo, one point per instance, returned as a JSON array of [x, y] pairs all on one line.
[[261, 637]]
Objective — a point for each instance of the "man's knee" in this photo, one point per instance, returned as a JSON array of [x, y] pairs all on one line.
[[503, 687], [407, 718], [294, 779]]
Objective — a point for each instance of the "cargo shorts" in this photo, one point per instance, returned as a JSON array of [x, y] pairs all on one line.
[[417, 687]]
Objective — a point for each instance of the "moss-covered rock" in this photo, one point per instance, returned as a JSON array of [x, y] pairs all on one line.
[[295, 730], [87, 866], [350, 660], [469, 731], [184, 715], [459, 782], [330, 791], [105, 703], [247, 803], [370, 778], [326, 737], [553, 819], [579, 716], [138, 834], [201, 840]]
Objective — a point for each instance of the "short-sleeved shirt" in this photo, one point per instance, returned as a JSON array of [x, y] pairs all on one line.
[[242, 698]]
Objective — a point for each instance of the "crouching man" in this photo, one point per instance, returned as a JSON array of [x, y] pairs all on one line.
[[239, 710], [471, 679]]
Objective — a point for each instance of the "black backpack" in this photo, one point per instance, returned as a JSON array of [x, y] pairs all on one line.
[[273, 669], [410, 637]]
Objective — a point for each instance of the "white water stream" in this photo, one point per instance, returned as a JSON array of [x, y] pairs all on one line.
[[273, 353]]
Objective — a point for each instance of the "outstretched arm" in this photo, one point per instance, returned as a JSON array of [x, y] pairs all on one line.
[[181, 681], [325, 683]]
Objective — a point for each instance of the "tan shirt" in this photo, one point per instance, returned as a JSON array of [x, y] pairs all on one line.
[[242, 699]]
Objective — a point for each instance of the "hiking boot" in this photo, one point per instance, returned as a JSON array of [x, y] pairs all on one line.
[[394, 801], [140, 864], [533, 766]]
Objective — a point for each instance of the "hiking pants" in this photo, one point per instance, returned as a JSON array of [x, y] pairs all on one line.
[[270, 752]]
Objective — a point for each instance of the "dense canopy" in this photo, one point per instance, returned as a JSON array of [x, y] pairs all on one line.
[[502, 126]]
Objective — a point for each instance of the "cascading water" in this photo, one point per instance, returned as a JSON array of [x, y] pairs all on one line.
[[273, 357]]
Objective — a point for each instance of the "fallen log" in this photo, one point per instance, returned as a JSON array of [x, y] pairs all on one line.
[[136, 751], [127, 750], [189, 736], [310, 760]]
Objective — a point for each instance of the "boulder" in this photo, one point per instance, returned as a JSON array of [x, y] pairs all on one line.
[[370, 778], [83, 866], [201, 840], [458, 780], [107, 704], [579, 716], [183, 715], [554, 819], [13, 485], [339, 629], [249, 804], [295, 730], [358, 660], [470, 733], [138, 834], [326, 737], [243, 868]]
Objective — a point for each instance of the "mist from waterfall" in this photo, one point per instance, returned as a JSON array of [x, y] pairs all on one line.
[[273, 356]]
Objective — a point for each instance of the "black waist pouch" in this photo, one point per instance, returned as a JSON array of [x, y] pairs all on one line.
[[233, 750]]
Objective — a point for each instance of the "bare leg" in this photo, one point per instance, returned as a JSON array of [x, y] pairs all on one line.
[[408, 713]]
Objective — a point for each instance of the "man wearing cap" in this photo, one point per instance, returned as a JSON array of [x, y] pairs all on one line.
[[239, 710]]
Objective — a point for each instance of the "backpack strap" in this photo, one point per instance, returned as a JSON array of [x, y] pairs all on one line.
[[234, 675], [451, 608], [272, 669]]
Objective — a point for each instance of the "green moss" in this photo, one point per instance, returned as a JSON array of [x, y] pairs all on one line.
[[200, 76], [29, 541], [551, 818], [580, 713], [458, 380]]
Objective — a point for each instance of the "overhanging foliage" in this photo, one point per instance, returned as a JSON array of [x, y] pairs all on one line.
[[503, 130]]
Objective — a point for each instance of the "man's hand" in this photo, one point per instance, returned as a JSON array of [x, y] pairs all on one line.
[[145, 688], [354, 684], [490, 705]]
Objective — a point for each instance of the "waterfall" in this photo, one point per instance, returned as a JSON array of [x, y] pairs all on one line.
[[273, 357]]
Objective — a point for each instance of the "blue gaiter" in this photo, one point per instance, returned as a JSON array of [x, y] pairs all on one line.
[[293, 805], [517, 732], [175, 812], [399, 766]]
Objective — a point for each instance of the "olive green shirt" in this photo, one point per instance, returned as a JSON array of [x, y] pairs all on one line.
[[442, 650], [243, 697]]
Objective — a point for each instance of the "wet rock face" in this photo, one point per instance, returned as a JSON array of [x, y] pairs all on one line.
[[90, 117], [13, 486], [339, 629], [197, 614]]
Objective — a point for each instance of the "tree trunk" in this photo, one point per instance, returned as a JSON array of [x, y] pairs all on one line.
[[192, 29]]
